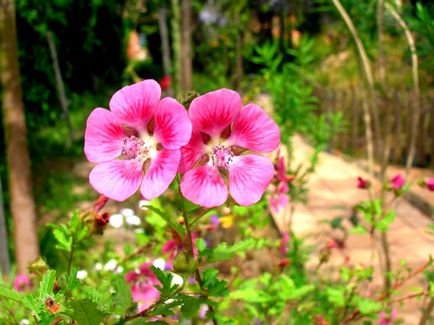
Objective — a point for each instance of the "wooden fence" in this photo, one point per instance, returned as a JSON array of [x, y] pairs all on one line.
[[398, 107]]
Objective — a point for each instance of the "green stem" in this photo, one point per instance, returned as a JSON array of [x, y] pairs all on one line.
[[197, 274], [71, 255]]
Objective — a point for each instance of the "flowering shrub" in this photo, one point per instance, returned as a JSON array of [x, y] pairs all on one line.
[[183, 253]]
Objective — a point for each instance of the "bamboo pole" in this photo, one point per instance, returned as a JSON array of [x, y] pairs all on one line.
[[416, 100], [370, 81]]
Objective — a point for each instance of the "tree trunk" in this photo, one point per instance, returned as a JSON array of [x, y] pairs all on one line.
[[176, 45], [186, 59], [4, 250], [165, 47], [18, 162]]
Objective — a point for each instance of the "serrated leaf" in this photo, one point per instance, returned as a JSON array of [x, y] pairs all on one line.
[[122, 299], [11, 294], [47, 284], [63, 237], [86, 312], [165, 279], [190, 306], [214, 286]]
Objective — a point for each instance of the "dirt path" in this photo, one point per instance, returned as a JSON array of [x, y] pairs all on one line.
[[333, 192]]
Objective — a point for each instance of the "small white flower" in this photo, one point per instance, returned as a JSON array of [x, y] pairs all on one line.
[[127, 212], [116, 220], [24, 322], [143, 204], [176, 279], [159, 263], [119, 269], [82, 274], [111, 265], [98, 266], [139, 231], [133, 220]]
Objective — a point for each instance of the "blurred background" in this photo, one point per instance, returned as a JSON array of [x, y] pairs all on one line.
[[353, 78]]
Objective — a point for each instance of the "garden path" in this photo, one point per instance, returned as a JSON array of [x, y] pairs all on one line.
[[333, 192]]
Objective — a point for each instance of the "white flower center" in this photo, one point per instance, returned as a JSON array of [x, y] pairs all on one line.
[[139, 148], [221, 156]]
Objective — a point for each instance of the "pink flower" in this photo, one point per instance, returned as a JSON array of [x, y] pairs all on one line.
[[362, 183], [22, 282], [136, 144], [278, 201], [143, 289], [430, 184], [222, 130], [175, 245], [284, 244], [397, 181]]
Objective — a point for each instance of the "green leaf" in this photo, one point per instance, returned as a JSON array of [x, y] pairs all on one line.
[[165, 278], [200, 244], [224, 252], [47, 284], [213, 285], [250, 294], [86, 312], [190, 305], [63, 237], [122, 299], [336, 296], [383, 224], [176, 226], [11, 294], [367, 306]]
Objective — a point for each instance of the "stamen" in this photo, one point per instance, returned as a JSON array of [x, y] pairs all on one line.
[[222, 156]]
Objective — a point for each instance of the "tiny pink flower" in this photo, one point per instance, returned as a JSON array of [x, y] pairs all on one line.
[[397, 182], [278, 201], [362, 183], [387, 319], [136, 144], [213, 161], [284, 244], [430, 184], [22, 282], [143, 284]]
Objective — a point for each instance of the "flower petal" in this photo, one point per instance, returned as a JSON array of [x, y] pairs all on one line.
[[191, 152], [255, 130], [213, 112], [172, 124], [117, 179], [134, 105], [249, 177], [103, 136], [204, 186], [161, 173]]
